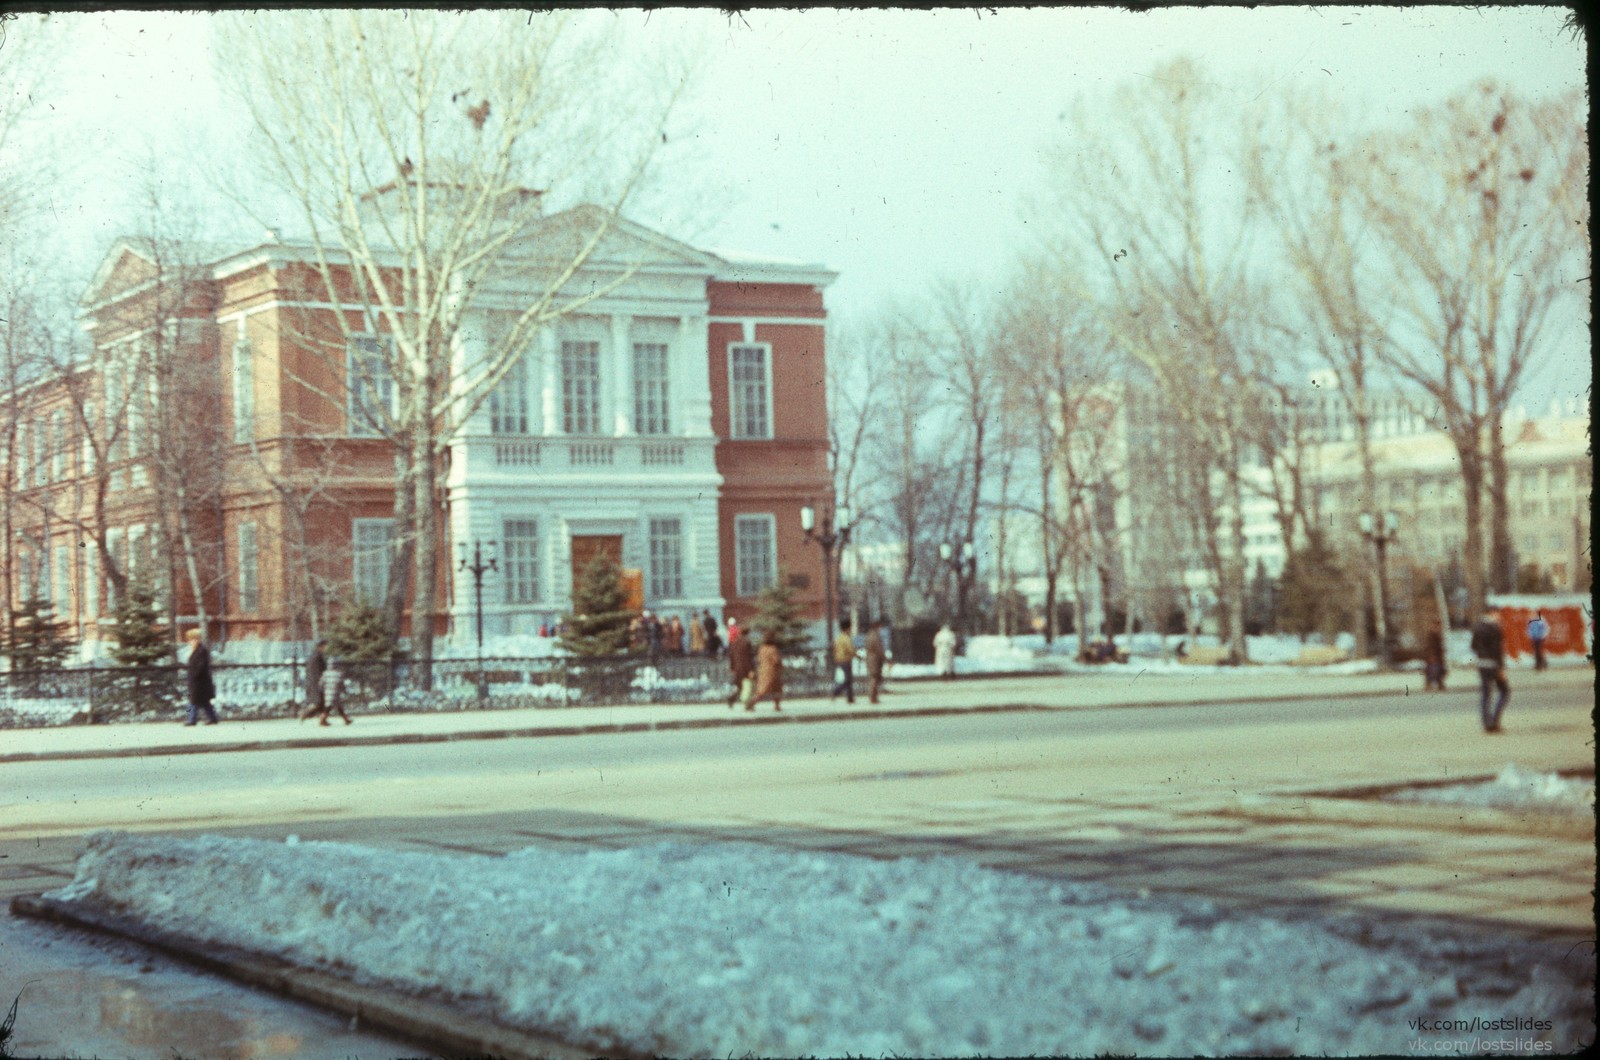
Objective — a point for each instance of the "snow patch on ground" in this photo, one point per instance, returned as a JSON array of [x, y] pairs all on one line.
[[734, 949], [1514, 789]]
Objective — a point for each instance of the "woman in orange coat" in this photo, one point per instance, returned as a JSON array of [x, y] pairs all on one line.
[[769, 673]]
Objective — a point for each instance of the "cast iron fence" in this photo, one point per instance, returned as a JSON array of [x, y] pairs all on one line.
[[92, 695]]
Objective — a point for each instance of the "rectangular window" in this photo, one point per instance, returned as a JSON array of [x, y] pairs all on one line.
[[508, 401], [520, 560], [249, 570], [371, 547], [755, 551], [41, 451], [89, 585], [244, 391], [666, 559], [370, 385], [750, 391], [58, 445], [650, 389], [580, 387], [61, 583]]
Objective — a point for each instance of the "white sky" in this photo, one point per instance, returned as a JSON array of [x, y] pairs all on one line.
[[894, 146]]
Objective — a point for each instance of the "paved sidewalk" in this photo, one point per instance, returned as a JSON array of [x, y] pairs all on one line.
[[1119, 687]]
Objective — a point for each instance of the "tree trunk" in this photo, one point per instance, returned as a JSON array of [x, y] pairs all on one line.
[[425, 571], [1234, 566], [1472, 561], [1502, 553]]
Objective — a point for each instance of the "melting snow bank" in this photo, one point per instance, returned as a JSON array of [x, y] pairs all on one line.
[[1513, 789], [739, 949]]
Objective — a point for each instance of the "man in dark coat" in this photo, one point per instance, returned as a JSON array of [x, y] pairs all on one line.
[[1489, 645], [876, 655], [202, 690], [742, 665], [316, 666]]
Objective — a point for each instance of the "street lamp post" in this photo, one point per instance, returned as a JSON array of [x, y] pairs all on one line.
[[478, 568], [1381, 537], [834, 533], [959, 558]]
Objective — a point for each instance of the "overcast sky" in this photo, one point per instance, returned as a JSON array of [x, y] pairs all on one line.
[[892, 146]]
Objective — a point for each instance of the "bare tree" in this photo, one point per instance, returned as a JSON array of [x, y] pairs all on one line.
[[1481, 211], [966, 385], [1173, 234], [420, 162], [1057, 360], [907, 474]]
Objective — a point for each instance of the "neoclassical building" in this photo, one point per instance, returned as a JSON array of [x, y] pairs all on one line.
[[678, 421]]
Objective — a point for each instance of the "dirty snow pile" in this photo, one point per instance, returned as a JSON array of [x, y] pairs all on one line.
[[738, 949], [1514, 789]]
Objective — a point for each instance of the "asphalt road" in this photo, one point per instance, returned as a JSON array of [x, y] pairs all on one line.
[[1258, 746], [1109, 779]]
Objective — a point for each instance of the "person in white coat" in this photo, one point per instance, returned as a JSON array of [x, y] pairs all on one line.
[[944, 652]]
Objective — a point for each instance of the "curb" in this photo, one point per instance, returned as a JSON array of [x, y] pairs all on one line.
[[603, 728], [435, 1026]]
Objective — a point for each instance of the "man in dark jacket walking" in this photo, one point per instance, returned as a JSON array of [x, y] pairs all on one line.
[[742, 666], [316, 666], [1489, 645], [202, 690]]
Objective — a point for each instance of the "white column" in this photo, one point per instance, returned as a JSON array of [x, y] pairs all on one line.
[[622, 359], [692, 378], [550, 373]]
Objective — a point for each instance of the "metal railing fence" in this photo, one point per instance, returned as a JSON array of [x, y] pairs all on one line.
[[100, 694]]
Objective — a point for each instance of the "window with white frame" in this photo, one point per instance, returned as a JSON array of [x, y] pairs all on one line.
[[369, 384], [249, 569], [89, 583], [666, 559], [41, 450], [61, 583], [580, 387], [58, 444], [755, 552], [244, 390], [508, 401], [750, 390], [371, 546], [86, 457], [650, 388], [519, 560]]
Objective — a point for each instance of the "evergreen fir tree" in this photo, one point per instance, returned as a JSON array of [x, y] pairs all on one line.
[[36, 641], [141, 639], [360, 634], [777, 614], [599, 622]]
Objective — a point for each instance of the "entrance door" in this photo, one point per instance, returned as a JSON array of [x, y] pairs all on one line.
[[585, 547]]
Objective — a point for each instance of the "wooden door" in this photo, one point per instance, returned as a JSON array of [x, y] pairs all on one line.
[[585, 547]]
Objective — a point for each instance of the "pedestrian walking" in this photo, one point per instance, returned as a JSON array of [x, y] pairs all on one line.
[[201, 688], [877, 655], [316, 666], [844, 657], [769, 671], [1538, 630], [713, 641], [1433, 668], [1489, 645], [944, 652], [333, 692], [742, 666]]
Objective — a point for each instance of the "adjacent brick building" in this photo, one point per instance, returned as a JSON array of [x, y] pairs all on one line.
[[678, 421]]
